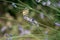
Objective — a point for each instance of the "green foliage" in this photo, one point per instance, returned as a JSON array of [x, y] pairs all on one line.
[[51, 14]]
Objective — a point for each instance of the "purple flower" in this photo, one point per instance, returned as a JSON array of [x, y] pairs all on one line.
[[57, 24], [25, 32], [3, 29], [20, 28], [6, 35]]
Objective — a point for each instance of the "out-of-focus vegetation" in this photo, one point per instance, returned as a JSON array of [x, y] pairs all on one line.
[[29, 19]]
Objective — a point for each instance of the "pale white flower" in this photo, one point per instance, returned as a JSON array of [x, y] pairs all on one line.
[[44, 3], [38, 1], [27, 18], [48, 3], [31, 20], [14, 5], [56, 5], [36, 23]]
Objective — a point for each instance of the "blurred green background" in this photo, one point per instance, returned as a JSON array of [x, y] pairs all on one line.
[[29, 19]]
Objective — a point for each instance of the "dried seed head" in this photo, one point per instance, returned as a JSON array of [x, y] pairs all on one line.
[[25, 11]]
